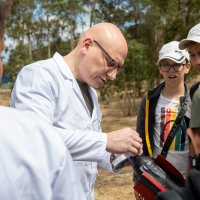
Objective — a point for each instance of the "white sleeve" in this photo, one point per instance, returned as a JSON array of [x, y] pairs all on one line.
[[33, 92], [85, 145], [105, 163]]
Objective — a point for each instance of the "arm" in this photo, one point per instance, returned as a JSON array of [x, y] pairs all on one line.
[[121, 141], [94, 146], [84, 145]]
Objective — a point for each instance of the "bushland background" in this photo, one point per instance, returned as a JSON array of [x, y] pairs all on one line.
[[37, 29]]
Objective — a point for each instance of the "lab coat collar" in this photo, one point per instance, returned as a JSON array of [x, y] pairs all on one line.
[[62, 65]]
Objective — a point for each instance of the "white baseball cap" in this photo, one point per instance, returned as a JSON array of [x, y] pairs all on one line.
[[193, 35], [171, 51]]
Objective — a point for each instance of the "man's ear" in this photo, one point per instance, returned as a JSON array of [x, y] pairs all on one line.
[[86, 44]]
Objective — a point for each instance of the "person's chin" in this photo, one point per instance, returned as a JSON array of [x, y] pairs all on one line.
[[97, 86]]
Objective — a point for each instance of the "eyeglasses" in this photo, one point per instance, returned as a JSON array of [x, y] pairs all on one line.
[[110, 61], [177, 67]]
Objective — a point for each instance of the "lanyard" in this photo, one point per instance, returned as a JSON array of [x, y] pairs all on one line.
[[176, 126]]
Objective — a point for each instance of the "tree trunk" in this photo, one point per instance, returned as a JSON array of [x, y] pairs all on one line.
[[184, 4], [30, 47]]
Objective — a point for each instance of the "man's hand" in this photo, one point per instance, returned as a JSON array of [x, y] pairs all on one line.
[[124, 140]]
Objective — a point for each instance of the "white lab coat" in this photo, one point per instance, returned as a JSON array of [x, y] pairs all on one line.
[[49, 89], [33, 161]]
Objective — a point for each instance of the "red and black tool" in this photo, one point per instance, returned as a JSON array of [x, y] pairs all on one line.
[[155, 175]]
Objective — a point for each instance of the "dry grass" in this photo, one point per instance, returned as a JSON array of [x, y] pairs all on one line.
[[115, 186], [4, 97]]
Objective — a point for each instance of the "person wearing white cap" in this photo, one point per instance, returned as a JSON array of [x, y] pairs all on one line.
[[160, 106], [192, 45]]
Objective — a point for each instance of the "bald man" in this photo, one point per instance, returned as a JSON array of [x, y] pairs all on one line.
[[61, 92]]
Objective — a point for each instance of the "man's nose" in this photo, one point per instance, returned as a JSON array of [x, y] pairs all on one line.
[[112, 74]]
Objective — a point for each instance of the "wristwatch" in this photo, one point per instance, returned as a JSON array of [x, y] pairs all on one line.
[[193, 161]]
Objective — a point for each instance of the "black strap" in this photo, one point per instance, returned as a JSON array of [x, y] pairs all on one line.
[[176, 126], [194, 88]]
